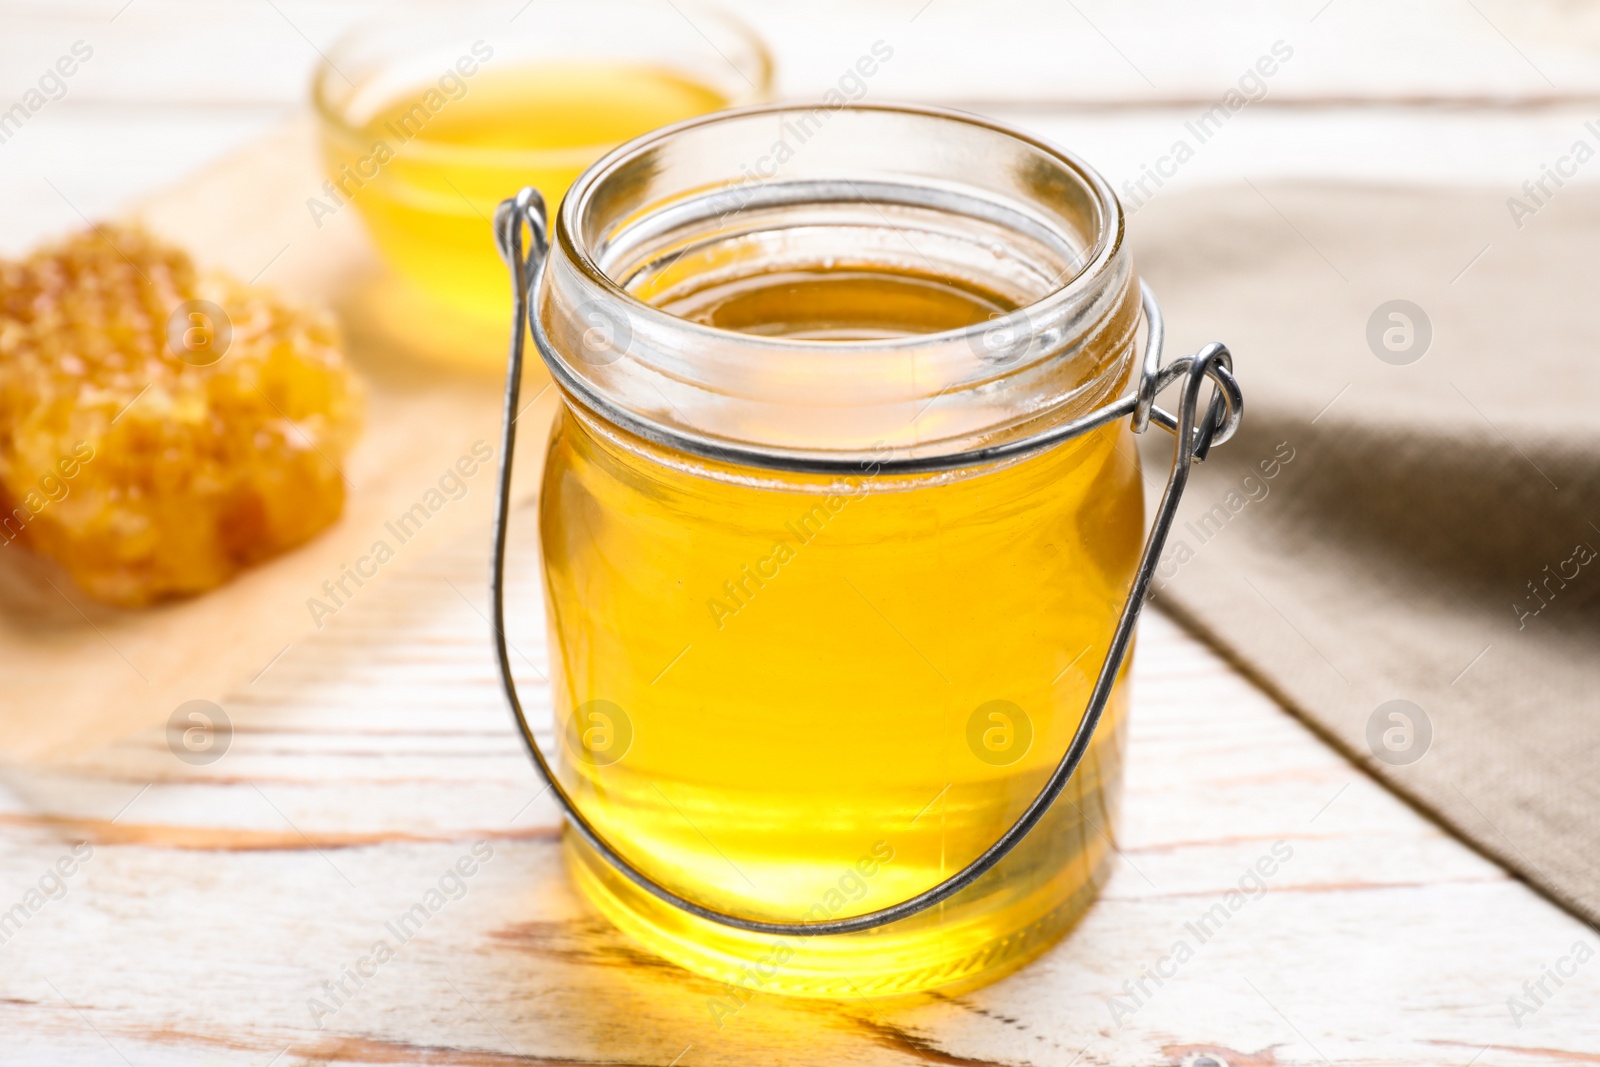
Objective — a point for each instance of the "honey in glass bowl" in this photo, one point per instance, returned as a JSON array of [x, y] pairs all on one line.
[[431, 114]]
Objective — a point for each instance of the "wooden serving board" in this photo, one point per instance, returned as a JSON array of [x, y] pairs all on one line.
[[75, 673]]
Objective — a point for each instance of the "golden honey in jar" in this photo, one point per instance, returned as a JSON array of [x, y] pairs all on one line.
[[431, 113], [806, 696]]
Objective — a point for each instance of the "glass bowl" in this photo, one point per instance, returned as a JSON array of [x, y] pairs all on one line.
[[430, 114]]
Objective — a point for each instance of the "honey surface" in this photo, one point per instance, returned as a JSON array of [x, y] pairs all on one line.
[[814, 701], [839, 305]]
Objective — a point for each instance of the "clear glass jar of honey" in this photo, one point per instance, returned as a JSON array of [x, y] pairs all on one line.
[[796, 676]]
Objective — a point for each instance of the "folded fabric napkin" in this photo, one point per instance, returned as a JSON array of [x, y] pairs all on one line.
[[1403, 541]]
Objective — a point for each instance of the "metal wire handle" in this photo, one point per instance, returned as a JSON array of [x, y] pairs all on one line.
[[1194, 439]]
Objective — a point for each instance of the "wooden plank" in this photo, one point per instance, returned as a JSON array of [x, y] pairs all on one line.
[[366, 760]]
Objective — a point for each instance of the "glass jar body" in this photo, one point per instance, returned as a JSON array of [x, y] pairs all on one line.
[[803, 698]]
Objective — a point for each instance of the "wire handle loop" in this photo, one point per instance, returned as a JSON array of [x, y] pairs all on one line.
[[1195, 435]]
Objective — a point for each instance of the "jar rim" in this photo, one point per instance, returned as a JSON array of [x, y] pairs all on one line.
[[1006, 212], [1108, 241]]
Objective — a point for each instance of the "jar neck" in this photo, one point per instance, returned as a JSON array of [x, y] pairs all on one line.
[[897, 191]]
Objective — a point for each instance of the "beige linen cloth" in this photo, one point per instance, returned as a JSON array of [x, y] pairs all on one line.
[[1411, 510]]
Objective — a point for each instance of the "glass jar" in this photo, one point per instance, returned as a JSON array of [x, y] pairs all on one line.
[[806, 696]]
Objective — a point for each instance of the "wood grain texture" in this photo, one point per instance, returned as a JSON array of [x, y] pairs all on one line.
[[369, 759]]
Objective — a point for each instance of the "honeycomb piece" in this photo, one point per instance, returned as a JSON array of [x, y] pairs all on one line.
[[152, 445]]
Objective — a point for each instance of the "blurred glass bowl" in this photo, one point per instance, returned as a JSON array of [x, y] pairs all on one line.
[[431, 114]]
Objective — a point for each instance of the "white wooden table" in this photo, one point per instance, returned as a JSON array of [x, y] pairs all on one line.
[[218, 899]]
